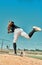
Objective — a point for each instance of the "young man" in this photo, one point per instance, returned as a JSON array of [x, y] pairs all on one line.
[[20, 32]]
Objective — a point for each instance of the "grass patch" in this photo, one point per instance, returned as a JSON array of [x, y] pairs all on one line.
[[36, 56]]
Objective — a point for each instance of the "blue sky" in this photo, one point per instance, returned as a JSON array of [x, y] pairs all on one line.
[[26, 14]]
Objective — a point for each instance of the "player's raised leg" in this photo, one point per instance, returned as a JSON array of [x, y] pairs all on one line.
[[35, 29]]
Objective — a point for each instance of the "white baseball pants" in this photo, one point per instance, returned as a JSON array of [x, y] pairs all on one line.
[[19, 32]]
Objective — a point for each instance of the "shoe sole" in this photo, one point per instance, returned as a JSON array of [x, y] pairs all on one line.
[[37, 28]]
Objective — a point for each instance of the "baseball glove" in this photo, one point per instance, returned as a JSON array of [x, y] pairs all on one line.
[[10, 27]]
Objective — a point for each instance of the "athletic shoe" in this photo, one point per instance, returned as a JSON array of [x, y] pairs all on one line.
[[37, 28]]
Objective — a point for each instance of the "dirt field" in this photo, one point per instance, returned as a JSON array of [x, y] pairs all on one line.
[[6, 59]]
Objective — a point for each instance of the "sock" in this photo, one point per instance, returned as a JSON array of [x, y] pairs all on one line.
[[14, 46], [31, 33]]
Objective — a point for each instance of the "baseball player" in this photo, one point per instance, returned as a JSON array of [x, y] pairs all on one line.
[[12, 28]]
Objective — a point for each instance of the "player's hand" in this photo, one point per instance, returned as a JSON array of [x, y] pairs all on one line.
[[8, 32]]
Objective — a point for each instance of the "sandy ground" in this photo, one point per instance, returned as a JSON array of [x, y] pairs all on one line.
[[6, 59]]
